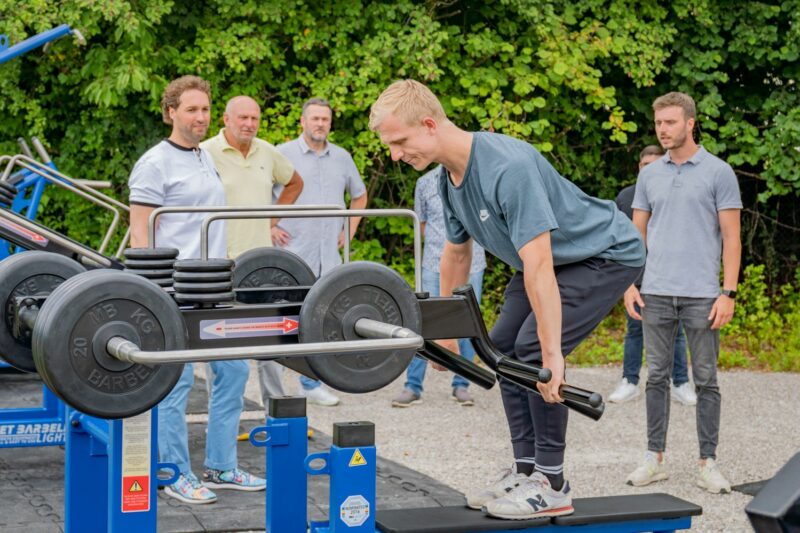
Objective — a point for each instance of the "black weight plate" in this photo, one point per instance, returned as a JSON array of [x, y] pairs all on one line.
[[6, 199], [200, 265], [333, 305], [271, 267], [151, 264], [152, 274], [74, 325], [202, 277], [8, 189], [151, 253], [23, 274], [161, 282], [203, 288], [190, 298]]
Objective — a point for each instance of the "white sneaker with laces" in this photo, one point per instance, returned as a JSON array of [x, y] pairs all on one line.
[[534, 497], [684, 394], [650, 471], [625, 392], [711, 479], [502, 484], [320, 396]]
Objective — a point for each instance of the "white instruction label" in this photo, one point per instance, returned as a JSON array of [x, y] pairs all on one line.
[[354, 511]]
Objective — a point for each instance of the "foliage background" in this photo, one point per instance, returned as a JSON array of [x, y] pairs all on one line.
[[576, 79]]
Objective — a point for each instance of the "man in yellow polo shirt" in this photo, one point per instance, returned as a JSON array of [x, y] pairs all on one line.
[[249, 167]]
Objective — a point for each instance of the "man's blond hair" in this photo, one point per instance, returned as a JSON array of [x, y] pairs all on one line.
[[676, 99], [408, 100]]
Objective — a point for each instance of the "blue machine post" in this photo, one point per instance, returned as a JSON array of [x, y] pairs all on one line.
[[110, 479], [350, 463], [33, 426], [10, 52], [287, 445]]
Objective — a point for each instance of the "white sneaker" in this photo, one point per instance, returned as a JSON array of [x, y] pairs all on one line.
[[534, 497], [625, 392], [711, 479], [320, 396], [650, 471], [684, 394], [502, 484]]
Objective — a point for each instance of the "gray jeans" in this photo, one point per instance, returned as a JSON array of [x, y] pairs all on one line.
[[661, 316], [269, 379]]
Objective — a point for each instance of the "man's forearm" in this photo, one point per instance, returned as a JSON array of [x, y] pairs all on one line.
[[453, 271], [357, 203], [289, 195], [542, 290], [731, 261]]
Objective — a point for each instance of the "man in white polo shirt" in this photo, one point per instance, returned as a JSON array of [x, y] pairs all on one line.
[[249, 168], [177, 172]]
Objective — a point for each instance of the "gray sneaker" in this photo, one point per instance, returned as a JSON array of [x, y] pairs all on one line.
[[406, 398], [463, 397]]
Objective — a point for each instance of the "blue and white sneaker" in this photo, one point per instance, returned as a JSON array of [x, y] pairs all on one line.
[[188, 489], [534, 497], [235, 479], [506, 480]]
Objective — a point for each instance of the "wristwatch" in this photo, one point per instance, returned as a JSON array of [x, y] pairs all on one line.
[[729, 294]]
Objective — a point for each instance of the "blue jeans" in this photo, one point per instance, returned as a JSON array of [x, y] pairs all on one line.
[[632, 355], [224, 409], [415, 374]]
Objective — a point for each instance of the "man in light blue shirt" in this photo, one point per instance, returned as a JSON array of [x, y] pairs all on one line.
[[328, 173], [428, 207]]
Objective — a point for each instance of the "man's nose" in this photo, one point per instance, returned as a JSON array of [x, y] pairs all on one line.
[[396, 154]]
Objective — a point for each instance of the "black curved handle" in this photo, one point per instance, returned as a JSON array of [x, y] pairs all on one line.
[[455, 363]]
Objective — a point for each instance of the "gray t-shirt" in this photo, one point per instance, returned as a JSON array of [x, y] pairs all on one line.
[[326, 177], [171, 175], [511, 194], [428, 206], [684, 243]]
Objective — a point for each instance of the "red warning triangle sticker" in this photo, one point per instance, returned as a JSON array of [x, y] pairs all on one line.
[[135, 487]]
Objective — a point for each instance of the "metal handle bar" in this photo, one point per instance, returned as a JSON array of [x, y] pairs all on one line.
[[302, 213], [157, 212], [402, 338], [57, 238], [80, 191], [39, 147], [24, 147]]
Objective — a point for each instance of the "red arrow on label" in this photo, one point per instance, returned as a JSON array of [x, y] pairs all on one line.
[[25, 232], [224, 328]]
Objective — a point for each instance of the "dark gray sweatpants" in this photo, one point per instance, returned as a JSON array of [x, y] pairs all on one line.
[[589, 290]]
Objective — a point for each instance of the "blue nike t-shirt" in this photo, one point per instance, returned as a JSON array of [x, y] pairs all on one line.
[[511, 194]]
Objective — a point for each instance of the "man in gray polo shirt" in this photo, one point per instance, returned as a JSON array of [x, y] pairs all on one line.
[[574, 255], [328, 173], [687, 206]]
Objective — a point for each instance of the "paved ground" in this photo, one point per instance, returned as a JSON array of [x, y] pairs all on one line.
[[462, 445]]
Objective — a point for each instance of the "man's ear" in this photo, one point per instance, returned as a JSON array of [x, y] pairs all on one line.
[[430, 124]]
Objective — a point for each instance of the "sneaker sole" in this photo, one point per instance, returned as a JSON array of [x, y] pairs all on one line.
[[408, 404], [624, 400], [465, 403], [171, 493], [708, 489], [560, 511], [657, 477], [322, 404], [232, 486]]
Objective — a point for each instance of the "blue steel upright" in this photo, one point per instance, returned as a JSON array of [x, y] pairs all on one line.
[[350, 463], [287, 445], [10, 52], [98, 497]]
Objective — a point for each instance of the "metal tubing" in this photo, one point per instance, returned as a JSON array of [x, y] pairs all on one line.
[[125, 350], [56, 238], [458, 365], [34, 42], [324, 214], [27, 315], [24, 147], [372, 329], [95, 427], [151, 221], [39, 147]]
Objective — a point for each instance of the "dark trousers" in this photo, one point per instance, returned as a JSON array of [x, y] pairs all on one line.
[[589, 290]]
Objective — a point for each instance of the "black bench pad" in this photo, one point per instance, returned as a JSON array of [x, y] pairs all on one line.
[[587, 511]]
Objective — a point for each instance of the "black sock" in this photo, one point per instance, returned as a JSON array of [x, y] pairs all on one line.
[[556, 480], [525, 466]]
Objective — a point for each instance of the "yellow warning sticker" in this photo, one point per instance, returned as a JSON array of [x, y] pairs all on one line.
[[357, 459], [135, 487]]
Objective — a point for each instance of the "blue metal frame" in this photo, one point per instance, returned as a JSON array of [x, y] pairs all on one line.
[[8, 53], [93, 477], [286, 446]]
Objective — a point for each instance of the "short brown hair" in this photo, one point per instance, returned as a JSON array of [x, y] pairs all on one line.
[[682, 100], [316, 101], [651, 149], [172, 93], [409, 100]]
